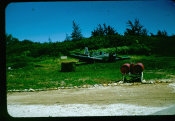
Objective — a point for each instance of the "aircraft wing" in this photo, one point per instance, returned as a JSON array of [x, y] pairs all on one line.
[[87, 58], [121, 58]]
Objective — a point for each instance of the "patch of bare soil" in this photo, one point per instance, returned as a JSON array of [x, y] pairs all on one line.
[[144, 95]]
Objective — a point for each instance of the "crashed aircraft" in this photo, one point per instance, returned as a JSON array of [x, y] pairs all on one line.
[[97, 57]]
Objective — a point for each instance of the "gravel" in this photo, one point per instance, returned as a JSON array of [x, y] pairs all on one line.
[[80, 110]]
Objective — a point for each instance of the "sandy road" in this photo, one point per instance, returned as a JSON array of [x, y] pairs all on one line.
[[147, 95], [144, 95]]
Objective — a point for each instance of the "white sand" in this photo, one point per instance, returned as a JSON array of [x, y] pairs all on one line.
[[172, 85], [79, 110]]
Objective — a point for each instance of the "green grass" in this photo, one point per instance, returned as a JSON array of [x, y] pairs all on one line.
[[46, 73]]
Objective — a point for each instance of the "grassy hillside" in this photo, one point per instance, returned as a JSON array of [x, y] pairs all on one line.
[[45, 73]]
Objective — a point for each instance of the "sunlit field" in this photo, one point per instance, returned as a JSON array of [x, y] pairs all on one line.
[[46, 72]]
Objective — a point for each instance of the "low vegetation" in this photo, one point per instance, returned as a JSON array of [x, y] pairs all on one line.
[[46, 72]]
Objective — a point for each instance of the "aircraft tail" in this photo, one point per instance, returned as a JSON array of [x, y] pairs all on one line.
[[86, 52]]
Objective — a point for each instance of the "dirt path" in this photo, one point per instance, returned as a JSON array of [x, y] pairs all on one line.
[[155, 95]]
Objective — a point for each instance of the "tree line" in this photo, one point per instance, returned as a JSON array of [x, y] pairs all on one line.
[[134, 29], [134, 41]]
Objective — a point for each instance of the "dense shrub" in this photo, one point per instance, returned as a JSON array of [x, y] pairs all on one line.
[[124, 50]]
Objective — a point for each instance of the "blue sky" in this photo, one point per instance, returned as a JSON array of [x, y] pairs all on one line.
[[37, 21]]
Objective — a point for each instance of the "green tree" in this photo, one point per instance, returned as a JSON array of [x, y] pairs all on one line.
[[49, 39], [109, 30], [144, 32], [68, 38], [76, 34], [135, 28], [162, 33], [10, 39], [105, 30]]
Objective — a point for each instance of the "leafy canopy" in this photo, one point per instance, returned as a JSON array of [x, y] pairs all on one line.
[[105, 30], [135, 28]]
